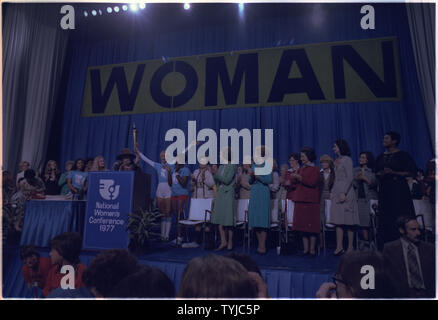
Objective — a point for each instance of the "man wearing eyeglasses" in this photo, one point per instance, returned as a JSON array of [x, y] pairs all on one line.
[[410, 262]]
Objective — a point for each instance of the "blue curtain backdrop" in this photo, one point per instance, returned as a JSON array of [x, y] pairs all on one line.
[[361, 124]]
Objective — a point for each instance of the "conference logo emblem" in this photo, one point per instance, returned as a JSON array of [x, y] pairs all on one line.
[[108, 190]]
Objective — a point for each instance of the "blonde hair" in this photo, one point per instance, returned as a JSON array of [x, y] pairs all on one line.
[[95, 166]]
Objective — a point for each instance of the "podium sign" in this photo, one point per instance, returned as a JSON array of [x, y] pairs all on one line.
[[109, 201]]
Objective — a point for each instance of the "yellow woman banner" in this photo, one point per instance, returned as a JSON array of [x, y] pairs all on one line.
[[335, 72]]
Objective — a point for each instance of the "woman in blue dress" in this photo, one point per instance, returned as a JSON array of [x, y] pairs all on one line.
[[260, 204]]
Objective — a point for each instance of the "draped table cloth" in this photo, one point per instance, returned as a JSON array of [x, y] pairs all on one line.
[[45, 219]]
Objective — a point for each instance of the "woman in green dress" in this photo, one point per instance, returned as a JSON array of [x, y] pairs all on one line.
[[224, 210]]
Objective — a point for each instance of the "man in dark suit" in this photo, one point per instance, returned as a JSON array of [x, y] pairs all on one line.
[[410, 262]]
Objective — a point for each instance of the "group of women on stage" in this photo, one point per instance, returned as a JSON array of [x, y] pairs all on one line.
[[349, 191]]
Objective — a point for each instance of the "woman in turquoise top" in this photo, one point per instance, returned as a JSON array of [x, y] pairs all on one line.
[[224, 210], [77, 180], [260, 204], [65, 189]]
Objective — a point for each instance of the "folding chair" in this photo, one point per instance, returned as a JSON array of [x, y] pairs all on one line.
[[289, 215], [425, 216], [199, 214], [242, 219], [276, 221]]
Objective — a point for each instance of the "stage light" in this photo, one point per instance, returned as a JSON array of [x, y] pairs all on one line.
[[241, 6], [186, 6], [109, 9], [94, 12], [133, 7], [116, 9], [142, 6], [100, 12], [85, 13], [125, 7]]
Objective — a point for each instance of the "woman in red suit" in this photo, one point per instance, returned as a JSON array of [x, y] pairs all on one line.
[[289, 182], [306, 197]]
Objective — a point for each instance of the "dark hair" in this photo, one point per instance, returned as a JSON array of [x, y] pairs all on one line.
[[296, 156], [29, 175], [350, 270], [370, 157], [310, 153], [146, 283], [402, 220], [394, 136], [68, 245], [245, 260], [75, 166], [28, 251], [343, 146], [214, 276], [108, 268]]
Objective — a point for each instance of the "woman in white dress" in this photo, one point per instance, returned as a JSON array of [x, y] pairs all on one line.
[[343, 211]]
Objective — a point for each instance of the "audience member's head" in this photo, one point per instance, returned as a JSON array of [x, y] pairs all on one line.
[[245, 260], [409, 228], [69, 165], [214, 169], [79, 165], [326, 162], [30, 256], [147, 282], [307, 155], [30, 175], [391, 139], [24, 165], [253, 270], [7, 176], [367, 158], [107, 269], [51, 167], [294, 159], [344, 148], [99, 164], [89, 164], [361, 274], [65, 248], [214, 276]]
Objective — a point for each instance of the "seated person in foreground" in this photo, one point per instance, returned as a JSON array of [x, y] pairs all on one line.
[[102, 275], [146, 283], [35, 269], [65, 250], [410, 262], [351, 275], [214, 276]]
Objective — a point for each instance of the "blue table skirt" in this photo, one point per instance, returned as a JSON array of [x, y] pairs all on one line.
[[43, 220]]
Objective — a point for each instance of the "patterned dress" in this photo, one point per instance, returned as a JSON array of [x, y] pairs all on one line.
[[345, 213]]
